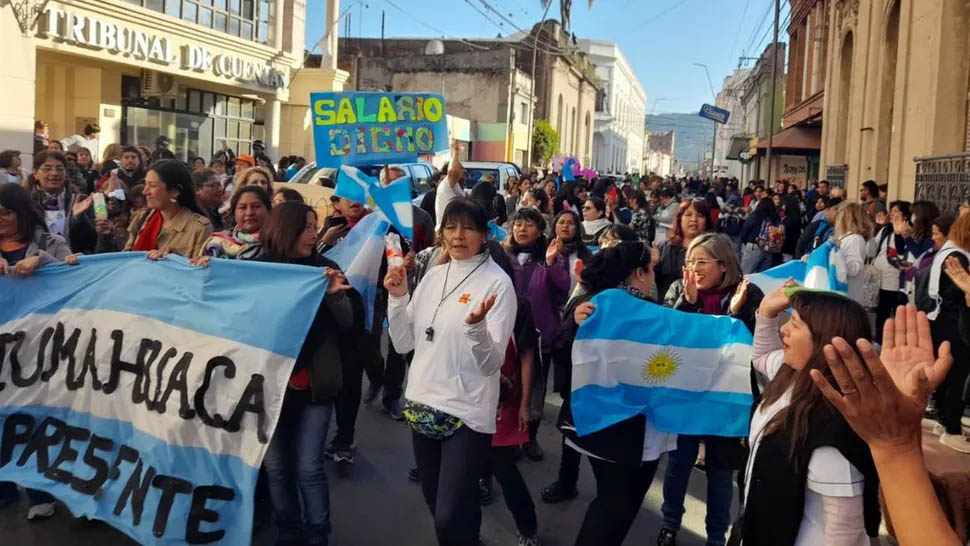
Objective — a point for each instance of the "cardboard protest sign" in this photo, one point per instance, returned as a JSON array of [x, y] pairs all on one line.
[[361, 128], [145, 394]]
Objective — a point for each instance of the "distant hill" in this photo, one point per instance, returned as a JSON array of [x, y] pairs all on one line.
[[693, 134]]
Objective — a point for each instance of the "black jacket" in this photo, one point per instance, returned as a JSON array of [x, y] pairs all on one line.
[[670, 268], [329, 341], [776, 498]]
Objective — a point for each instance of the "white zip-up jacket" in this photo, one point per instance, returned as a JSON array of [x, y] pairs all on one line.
[[458, 371]]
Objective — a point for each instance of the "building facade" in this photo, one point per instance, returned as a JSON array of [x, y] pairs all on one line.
[[729, 98], [660, 148], [205, 74], [897, 74], [621, 105]]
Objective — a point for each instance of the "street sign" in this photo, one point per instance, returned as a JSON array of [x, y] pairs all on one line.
[[713, 113]]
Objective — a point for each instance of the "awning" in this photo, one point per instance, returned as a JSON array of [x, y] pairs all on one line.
[[738, 144], [806, 139]]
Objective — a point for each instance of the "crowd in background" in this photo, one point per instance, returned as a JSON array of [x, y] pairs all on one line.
[[683, 243]]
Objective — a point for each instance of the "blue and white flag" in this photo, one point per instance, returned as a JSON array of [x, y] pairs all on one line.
[[496, 231], [359, 256], [821, 271], [393, 201], [688, 373], [145, 394]]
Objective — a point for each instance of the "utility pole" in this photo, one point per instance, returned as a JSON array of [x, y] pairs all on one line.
[[774, 89], [532, 87], [382, 33]]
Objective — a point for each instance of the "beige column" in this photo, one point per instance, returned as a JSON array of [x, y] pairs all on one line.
[[331, 36], [272, 129], [17, 99]]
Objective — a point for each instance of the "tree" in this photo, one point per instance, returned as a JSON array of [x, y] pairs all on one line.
[[545, 141]]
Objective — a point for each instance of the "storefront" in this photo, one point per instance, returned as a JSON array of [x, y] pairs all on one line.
[[206, 74]]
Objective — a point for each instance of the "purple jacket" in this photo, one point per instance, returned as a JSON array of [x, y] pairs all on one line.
[[546, 288]]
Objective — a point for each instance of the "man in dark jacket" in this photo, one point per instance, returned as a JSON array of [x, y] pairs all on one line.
[[818, 231]]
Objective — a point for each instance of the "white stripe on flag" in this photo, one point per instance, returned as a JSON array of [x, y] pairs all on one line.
[[610, 362], [222, 396]]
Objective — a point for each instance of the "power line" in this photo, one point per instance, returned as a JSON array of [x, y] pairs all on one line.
[[501, 16], [440, 32], [757, 29], [657, 16], [738, 33], [485, 15]]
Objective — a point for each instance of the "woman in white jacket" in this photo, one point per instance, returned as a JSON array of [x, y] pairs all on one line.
[[458, 323], [852, 229]]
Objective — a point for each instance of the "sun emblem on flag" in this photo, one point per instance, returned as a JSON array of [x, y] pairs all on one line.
[[661, 366]]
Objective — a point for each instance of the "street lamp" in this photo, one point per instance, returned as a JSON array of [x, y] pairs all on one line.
[[714, 97]]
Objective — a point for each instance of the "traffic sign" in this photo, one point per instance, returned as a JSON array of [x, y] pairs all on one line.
[[713, 113]]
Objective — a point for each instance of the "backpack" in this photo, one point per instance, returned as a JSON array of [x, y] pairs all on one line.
[[770, 239], [731, 224]]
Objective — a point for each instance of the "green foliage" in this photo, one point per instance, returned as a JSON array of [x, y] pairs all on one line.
[[545, 141]]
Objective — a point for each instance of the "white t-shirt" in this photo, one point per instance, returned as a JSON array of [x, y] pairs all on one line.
[[829, 475]]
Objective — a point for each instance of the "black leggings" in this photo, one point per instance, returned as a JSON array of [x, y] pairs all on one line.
[[449, 471], [501, 464], [620, 490]]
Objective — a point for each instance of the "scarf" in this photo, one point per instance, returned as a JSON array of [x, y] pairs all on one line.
[[936, 270], [232, 244], [710, 300], [148, 236], [593, 227], [633, 291]]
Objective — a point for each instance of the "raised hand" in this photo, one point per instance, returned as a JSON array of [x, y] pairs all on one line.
[[81, 205], [478, 315], [690, 286], [334, 233], [396, 282], [553, 250], [907, 353], [740, 296], [886, 418], [338, 281], [102, 226], [958, 274], [776, 301]]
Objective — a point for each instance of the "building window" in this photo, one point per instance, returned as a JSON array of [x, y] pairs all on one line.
[[248, 19], [524, 113], [559, 122]]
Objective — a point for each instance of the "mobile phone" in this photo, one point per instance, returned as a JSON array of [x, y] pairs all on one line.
[[336, 221]]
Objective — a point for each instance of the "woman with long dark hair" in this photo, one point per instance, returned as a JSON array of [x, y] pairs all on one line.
[[172, 222], [458, 323], [250, 206], [568, 228], [541, 277], [809, 479], [595, 222], [762, 236], [294, 461], [692, 219]]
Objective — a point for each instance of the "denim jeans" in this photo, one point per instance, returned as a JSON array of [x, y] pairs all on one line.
[[680, 463], [753, 260], [294, 466], [8, 492]]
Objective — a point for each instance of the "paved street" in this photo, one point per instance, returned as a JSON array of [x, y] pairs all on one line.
[[375, 504]]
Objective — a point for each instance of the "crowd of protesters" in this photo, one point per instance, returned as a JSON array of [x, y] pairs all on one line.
[[480, 365]]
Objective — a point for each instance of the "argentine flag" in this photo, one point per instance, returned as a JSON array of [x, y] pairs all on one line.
[[359, 256], [822, 271], [393, 201], [687, 373]]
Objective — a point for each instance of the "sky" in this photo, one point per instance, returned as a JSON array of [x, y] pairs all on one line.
[[662, 39]]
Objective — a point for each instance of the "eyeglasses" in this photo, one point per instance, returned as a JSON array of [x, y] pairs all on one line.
[[701, 263], [48, 168]]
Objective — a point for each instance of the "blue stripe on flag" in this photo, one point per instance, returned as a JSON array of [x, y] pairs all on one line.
[[659, 325], [193, 464], [394, 202], [668, 410], [496, 232], [352, 184], [804, 273], [219, 300], [360, 255]]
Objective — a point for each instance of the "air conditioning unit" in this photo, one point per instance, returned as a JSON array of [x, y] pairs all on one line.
[[158, 84]]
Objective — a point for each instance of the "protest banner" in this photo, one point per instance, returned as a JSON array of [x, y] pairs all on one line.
[[145, 394], [365, 128]]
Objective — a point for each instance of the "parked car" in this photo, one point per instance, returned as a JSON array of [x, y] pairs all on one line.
[[499, 171], [309, 182]]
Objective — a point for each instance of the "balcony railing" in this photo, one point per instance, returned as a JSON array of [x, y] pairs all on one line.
[[944, 180]]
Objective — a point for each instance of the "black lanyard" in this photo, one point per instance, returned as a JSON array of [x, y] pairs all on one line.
[[429, 331]]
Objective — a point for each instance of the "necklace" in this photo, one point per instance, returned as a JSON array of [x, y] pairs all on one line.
[[429, 331]]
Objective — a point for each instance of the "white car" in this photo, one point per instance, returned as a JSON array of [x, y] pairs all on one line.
[[500, 172]]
